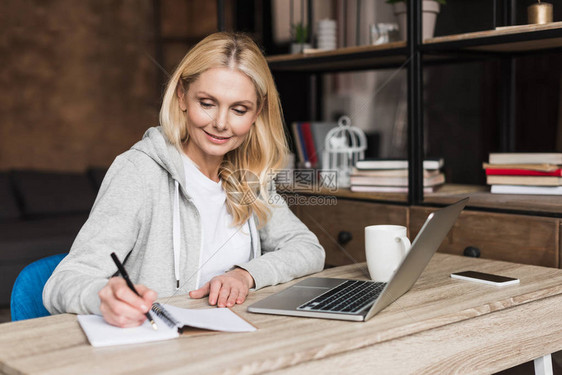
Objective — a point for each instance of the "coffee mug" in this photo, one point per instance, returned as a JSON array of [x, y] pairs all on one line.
[[385, 247]]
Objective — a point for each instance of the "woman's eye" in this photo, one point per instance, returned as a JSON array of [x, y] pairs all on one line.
[[240, 111], [206, 105]]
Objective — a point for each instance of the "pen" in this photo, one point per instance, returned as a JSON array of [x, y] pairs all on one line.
[[130, 285]]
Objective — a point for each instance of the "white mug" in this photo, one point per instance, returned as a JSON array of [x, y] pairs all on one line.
[[385, 248]]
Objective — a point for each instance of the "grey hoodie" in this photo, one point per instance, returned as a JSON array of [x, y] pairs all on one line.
[[141, 198]]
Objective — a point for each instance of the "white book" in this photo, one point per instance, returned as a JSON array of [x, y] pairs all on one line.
[[379, 163], [170, 324], [390, 172], [526, 158], [394, 181], [386, 189], [532, 190]]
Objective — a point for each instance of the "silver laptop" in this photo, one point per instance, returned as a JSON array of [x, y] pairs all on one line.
[[360, 300]]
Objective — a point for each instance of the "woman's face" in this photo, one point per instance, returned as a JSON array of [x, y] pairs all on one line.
[[221, 106]]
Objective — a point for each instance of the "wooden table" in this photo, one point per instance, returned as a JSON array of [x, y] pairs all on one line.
[[440, 326]]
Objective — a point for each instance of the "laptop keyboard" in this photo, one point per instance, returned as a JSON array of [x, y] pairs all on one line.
[[349, 297]]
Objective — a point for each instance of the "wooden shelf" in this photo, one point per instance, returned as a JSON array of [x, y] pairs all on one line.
[[542, 205], [510, 39], [351, 58], [446, 190], [480, 198], [346, 193]]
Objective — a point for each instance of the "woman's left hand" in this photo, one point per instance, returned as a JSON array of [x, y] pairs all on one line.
[[226, 290]]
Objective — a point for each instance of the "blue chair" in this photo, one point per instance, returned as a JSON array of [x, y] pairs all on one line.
[[27, 294]]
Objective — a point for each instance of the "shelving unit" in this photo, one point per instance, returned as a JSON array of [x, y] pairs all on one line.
[[503, 42]]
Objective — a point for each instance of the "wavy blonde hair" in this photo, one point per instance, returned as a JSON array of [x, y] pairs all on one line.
[[265, 147]]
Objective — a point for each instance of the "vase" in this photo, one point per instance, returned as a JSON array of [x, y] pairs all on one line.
[[299, 47], [430, 9]]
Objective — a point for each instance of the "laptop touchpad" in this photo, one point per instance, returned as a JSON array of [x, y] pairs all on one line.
[[298, 294]]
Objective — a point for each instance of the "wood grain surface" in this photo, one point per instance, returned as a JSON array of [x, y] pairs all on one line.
[[425, 329], [337, 52], [513, 238], [526, 45], [540, 204]]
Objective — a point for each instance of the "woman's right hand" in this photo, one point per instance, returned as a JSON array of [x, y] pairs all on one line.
[[121, 307]]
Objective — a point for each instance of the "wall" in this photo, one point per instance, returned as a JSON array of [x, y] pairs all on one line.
[[77, 84]]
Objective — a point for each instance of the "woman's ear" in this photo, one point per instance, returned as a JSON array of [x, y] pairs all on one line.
[[182, 97]]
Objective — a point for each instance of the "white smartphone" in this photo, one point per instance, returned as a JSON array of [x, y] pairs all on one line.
[[485, 278]]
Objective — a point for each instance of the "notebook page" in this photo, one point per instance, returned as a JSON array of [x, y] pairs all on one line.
[[101, 333], [217, 319]]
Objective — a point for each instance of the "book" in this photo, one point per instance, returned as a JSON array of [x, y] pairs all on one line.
[[526, 158], [524, 180], [394, 181], [171, 321], [379, 163], [531, 190], [390, 172], [521, 172], [387, 189], [298, 144], [534, 167], [309, 143]]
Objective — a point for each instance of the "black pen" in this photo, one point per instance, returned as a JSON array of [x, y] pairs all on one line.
[[130, 285]]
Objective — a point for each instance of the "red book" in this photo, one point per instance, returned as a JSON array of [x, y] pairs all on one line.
[[521, 172], [309, 143]]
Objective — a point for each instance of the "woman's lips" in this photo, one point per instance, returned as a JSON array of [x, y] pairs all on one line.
[[215, 138]]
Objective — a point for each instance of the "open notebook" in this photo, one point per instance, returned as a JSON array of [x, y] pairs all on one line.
[[171, 320]]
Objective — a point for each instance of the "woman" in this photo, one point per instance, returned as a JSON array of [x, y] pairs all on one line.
[[182, 208]]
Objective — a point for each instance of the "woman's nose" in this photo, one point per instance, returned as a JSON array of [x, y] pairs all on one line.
[[221, 120]]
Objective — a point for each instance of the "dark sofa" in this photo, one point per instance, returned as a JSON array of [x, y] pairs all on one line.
[[40, 215]]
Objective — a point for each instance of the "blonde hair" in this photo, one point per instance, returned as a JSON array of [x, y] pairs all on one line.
[[265, 147]]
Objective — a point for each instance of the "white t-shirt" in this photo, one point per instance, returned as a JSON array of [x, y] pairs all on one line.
[[222, 244]]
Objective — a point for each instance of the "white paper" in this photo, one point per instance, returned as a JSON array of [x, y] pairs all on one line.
[[216, 319], [100, 333]]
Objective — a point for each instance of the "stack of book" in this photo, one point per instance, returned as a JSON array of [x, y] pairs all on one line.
[[391, 175], [525, 173]]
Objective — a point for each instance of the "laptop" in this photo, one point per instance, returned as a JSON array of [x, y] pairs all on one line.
[[359, 300]]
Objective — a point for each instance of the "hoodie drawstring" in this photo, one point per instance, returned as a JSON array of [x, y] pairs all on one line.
[[176, 233]]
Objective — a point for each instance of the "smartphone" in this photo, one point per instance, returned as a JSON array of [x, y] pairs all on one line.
[[485, 278]]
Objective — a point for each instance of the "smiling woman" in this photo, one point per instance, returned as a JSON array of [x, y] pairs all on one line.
[[190, 207]]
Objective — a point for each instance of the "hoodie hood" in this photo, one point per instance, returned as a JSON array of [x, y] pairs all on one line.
[[155, 145]]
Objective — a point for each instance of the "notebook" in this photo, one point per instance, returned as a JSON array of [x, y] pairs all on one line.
[[359, 300], [171, 322]]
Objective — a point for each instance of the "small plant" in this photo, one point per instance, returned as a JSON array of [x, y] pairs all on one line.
[[299, 33], [442, 2]]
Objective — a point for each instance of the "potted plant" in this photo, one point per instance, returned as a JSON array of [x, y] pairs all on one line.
[[430, 9], [299, 36]]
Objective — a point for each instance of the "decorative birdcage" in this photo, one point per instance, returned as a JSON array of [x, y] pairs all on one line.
[[343, 146]]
